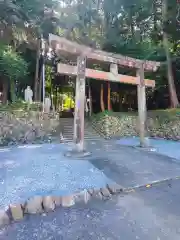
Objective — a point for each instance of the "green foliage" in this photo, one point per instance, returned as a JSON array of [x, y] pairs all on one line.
[[160, 115], [12, 65], [129, 27], [19, 105]]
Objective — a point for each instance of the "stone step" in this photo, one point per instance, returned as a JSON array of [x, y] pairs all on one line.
[[85, 137], [67, 125]]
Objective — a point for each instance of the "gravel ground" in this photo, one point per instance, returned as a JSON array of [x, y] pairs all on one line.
[[32, 170], [151, 214]]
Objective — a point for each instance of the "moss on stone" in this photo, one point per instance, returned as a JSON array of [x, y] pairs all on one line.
[[26, 126]]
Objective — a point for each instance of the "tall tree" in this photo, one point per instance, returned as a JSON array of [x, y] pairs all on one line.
[[12, 67], [172, 88]]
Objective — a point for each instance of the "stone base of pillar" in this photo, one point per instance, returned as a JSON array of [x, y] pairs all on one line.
[[149, 148], [145, 143], [146, 146], [77, 151]]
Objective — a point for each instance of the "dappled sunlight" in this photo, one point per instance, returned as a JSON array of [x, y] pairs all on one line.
[[30, 146], [5, 150]]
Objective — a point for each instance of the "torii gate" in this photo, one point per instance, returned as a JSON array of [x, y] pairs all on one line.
[[82, 53]]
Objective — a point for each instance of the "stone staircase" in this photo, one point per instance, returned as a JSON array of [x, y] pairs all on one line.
[[67, 126]]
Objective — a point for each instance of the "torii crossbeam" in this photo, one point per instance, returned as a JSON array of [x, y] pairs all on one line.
[[83, 53]]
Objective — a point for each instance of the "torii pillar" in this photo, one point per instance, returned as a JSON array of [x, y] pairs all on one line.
[[80, 104], [142, 108]]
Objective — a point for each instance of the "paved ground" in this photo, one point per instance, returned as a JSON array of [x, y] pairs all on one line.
[[132, 167], [165, 147], [151, 214], [43, 170]]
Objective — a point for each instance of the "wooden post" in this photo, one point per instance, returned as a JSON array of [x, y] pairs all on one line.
[[142, 110], [79, 104], [109, 96]]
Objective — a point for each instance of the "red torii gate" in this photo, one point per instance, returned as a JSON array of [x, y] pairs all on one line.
[[83, 53]]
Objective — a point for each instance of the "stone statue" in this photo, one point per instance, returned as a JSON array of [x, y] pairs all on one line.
[[114, 69], [47, 104], [86, 105], [28, 94]]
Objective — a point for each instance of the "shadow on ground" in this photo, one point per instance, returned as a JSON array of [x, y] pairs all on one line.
[[162, 146], [31, 170], [131, 167]]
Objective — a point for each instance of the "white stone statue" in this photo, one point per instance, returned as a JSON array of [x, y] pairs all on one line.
[[86, 106], [28, 94], [47, 104], [114, 69]]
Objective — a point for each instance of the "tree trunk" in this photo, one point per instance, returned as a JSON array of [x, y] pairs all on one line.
[[40, 85], [36, 80], [102, 98], [5, 91], [12, 91], [171, 84], [109, 96], [131, 22], [155, 21]]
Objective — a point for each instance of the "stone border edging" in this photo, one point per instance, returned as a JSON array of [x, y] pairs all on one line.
[[44, 204], [40, 205]]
